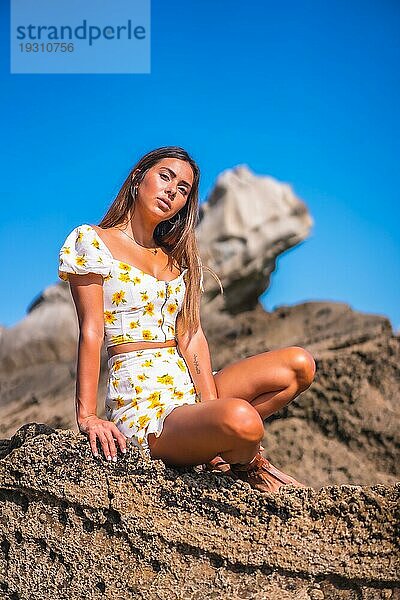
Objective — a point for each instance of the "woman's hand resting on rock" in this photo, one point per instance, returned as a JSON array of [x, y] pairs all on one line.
[[106, 431]]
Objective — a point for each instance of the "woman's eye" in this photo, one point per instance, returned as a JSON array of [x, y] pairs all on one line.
[[183, 190]]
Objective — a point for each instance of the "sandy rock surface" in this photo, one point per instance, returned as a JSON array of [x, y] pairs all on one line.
[[74, 527]]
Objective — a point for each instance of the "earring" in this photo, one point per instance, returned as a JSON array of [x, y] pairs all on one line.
[[134, 193]]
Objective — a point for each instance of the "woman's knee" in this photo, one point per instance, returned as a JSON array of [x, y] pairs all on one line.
[[303, 365], [238, 418]]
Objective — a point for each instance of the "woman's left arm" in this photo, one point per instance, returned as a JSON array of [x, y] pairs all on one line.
[[197, 357]]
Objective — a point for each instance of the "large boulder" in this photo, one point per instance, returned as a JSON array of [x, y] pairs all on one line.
[[47, 334], [246, 223]]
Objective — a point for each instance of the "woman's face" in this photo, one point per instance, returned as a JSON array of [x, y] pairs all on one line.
[[165, 188]]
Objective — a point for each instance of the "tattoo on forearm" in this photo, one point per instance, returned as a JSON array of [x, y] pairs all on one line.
[[196, 363]]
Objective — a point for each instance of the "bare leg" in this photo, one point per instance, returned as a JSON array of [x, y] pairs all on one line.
[[193, 434], [268, 381], [264, 383]]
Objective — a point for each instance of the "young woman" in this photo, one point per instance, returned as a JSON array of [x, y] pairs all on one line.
[[136, 281]]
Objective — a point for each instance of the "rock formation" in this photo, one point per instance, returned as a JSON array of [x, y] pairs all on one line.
[[345, 427], [72, 527], [47, 334], [247, 221]]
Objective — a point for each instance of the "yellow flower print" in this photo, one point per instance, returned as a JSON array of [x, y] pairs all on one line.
[[136, 280], [160, 411], [154, 400], [178, 289], [79, 237], [138, 389], [159, 322], [143, 421], [157, 354], [145, 296], [161, 293], [124, 266], [118, 297], [123, 418], [140, 440], [171, 350], [178, 394], [166, 379], [124, 277], [100, 260], [66, 250], [95, 243], [171, 329], [116, 366], [120, 401], [181, 364], [171, 308], [142, 376], [192, 391], [147, 363], [134, 324], [147, 335], [156, 404], [121, 338], [134, 403], [115, 383], [149, 309], [109, 317], [107, 277], [81, 261]]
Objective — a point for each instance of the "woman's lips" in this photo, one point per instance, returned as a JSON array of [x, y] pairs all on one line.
[[164, 203]]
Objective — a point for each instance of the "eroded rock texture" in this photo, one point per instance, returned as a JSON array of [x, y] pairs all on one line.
[[72, 527], [345, 427]]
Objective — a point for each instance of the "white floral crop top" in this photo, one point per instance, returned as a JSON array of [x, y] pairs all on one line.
[[137, 305]]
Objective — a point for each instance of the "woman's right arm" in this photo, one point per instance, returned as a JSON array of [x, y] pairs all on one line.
[[87, 294]]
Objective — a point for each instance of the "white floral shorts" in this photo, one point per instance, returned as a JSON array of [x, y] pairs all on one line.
[[143, 388]]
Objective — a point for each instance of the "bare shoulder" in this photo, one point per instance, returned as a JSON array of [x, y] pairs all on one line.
[[111, 239], [108, 233]]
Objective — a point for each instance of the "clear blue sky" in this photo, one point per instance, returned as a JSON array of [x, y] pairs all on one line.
[[307, 92]]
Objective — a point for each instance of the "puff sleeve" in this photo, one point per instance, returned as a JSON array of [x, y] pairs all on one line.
[[82, 253]]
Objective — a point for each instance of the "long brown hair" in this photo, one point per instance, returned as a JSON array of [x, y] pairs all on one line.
[[176, 236]]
